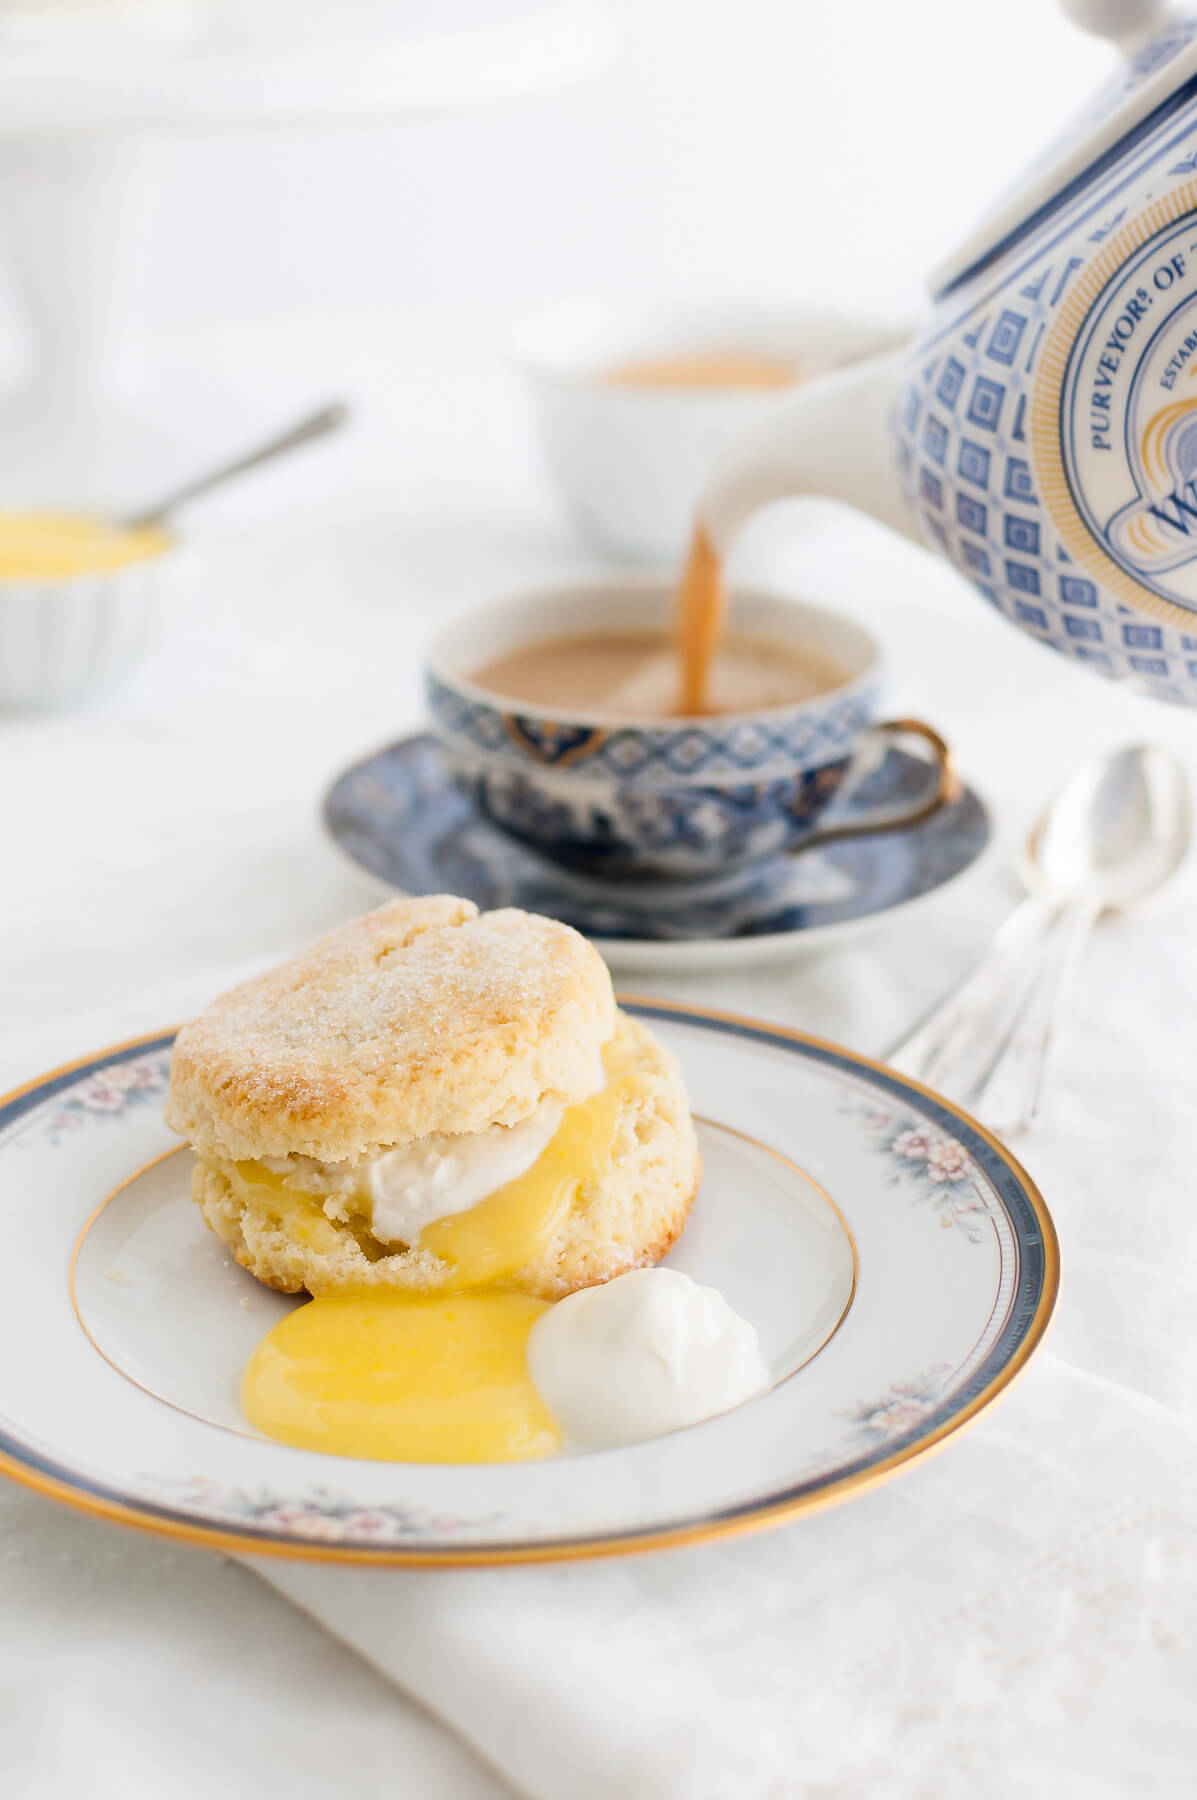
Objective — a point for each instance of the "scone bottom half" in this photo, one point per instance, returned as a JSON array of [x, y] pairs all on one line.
[[431, 1017]]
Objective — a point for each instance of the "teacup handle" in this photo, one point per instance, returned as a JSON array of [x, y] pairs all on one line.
[[948, 787]]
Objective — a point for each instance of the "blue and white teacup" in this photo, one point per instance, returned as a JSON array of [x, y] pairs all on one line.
[[682, 799]]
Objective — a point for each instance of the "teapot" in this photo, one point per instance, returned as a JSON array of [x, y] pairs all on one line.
[[1040, 428]]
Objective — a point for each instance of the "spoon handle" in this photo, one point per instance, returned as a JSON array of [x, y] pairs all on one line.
[[1009, 1094], [940, 1037], [315, 425]]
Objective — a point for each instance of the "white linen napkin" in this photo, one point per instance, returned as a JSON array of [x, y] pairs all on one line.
[[1039, 1576]]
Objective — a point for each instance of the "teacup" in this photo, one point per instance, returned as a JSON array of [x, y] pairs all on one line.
[[629, 461], [675, 798]]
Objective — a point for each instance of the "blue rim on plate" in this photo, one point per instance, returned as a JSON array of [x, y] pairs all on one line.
[[400, 817], [1019, 1325]]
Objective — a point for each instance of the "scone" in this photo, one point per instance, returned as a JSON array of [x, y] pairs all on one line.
[[432, 1097]]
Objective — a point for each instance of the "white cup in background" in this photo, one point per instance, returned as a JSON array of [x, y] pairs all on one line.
[[629, 461]]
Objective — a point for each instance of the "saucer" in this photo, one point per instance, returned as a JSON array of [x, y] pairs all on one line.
[[898, 1265], [399, 817]]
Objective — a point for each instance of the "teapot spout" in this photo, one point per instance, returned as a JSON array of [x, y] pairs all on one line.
[[832, 439]]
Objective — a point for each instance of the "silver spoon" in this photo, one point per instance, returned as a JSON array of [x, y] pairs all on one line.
[[315, 425], [1113, 835]]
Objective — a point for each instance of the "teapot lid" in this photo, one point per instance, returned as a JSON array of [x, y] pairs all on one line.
[[1158, 73]]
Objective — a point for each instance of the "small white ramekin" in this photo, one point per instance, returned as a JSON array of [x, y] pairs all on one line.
[[630, 462], [62, 637]]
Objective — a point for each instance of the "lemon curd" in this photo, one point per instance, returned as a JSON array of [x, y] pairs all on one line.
[[510, 1226], [441, 1377], [36, 544], [398, 1378], [306, 1220]]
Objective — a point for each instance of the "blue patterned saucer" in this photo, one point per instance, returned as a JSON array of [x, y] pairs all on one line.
[[399, 817]]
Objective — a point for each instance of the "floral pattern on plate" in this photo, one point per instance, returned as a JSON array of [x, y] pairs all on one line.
[[319, 1515], [902, 1408], [928, 1163], [106, 1093]]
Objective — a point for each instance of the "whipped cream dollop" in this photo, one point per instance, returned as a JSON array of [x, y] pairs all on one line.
[[415, 1184], [412, 1186], [643, 1354]]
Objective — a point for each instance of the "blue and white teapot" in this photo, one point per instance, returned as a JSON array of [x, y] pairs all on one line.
[[1041, 427]]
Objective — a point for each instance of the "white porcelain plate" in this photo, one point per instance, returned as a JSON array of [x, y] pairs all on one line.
[[898, 1264]]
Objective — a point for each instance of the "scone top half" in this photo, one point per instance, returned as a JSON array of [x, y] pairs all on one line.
[[422, 1017], [427, 1027]]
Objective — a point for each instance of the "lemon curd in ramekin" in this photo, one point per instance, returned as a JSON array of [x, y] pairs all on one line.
[[79, 597], [42, 545]]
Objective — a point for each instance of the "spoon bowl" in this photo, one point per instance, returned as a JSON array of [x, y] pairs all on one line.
[[1116, 832]]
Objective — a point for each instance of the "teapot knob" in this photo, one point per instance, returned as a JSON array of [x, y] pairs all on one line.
[[1117, 19]]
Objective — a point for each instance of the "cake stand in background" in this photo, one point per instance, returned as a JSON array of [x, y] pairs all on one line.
[[89, 89]]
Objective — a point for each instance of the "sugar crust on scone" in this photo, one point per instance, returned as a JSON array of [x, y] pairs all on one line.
[[424, 1016]]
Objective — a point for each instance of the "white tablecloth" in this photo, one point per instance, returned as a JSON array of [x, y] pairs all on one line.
[[165, 840]]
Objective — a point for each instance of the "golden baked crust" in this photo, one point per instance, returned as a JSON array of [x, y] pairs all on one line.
[[625, 1220], [424, 1016]]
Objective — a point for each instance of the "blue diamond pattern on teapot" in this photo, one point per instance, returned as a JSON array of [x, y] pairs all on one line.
[[967, 451]]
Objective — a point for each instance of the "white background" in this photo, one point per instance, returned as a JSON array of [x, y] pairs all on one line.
[[804, 147]]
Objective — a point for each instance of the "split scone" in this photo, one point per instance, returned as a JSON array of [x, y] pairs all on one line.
[[431, 1097]]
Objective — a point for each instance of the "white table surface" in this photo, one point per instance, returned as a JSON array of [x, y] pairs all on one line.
[[164, 840]]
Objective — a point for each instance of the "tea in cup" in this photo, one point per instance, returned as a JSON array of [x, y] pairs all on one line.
[[556, 713]]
